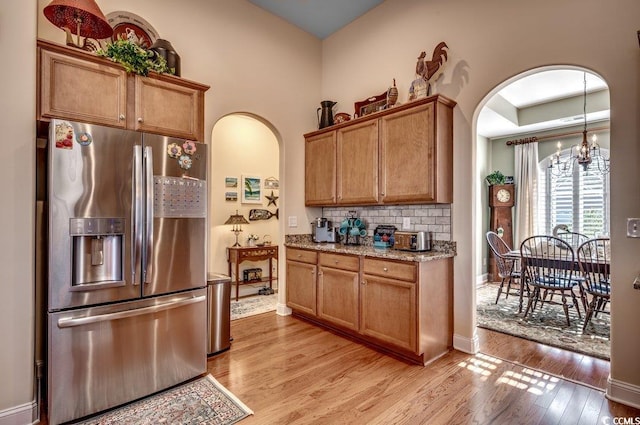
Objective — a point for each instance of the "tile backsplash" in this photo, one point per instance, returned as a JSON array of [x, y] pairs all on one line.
[[434, 218]]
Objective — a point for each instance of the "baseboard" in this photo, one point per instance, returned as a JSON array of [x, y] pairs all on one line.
[[283, 310], [624, 393], [482, 279], [466, 345], [20, 415]]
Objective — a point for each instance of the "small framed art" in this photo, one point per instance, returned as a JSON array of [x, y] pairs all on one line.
[[251, 190]]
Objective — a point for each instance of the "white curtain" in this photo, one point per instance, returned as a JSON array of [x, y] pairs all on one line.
[[526, 178]]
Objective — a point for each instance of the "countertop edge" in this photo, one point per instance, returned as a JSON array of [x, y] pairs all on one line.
[[368, 251]]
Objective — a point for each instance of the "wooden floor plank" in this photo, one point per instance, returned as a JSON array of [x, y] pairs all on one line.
[[292, 372]]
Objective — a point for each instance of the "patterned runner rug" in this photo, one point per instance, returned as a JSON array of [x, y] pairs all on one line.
[[202, 401], [546, 325], [251, 306]]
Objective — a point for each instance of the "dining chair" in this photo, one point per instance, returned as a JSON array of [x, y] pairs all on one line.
[[507, 270], [548, 265], [594, 259], [574, 239]]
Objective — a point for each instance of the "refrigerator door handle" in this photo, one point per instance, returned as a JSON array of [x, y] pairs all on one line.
[[70, 322], [137, 214], [148, 266]]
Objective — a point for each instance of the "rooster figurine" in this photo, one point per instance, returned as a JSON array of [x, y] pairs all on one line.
[[427, 69]]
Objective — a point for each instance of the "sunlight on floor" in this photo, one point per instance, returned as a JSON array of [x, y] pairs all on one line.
[[531, 380]]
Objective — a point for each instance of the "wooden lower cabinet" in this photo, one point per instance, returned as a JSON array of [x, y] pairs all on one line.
[[404, 308], [389, 311], [338, 289], [301, 280]]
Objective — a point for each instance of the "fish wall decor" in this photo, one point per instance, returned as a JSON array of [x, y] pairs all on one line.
[[257, 214]]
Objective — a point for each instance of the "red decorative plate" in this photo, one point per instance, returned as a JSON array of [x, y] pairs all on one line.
[[130, 26]]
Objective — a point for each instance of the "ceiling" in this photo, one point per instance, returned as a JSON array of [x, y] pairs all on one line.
[[318, 17], [543, 101]]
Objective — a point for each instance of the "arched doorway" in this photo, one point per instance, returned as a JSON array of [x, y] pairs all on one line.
[[244, 149], [547, 106]]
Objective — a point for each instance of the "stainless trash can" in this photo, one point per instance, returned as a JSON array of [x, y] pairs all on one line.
[[218, 313]]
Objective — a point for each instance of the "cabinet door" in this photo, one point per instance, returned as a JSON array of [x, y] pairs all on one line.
[[301, 287], [168, 108], [80, 90], [320, 169], [408, 156], [388, 311], [357, 164], [338, 297]]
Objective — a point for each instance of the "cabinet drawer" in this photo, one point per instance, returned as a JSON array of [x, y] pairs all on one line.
[[393, 270], [339, 261], [302, 255]]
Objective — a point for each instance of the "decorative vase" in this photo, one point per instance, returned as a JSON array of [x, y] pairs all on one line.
[[164, 49]]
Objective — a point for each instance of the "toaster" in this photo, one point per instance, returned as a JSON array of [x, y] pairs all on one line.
[[412, 241]]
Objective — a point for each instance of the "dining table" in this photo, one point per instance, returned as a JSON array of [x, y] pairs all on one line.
[[564, 264]]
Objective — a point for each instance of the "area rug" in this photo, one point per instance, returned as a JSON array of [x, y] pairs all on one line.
[[251, 306], [547, 325], [202, 401]]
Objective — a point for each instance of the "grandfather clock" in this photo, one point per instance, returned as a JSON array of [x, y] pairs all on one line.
[[501, 200]]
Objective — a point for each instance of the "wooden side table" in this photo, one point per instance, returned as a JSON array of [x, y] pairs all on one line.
[[238, 254]]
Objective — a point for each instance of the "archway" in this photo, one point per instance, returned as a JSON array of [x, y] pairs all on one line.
[[550, 118], [244, 148]]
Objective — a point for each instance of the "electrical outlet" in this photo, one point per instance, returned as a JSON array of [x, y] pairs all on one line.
[[293, 221], [406, 223], [633, 227]]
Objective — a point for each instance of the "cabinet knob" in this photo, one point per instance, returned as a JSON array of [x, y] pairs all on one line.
[[385, 269], [364, 282], [382, 193], [337, 261], [299, 255], [140, 119], [122, 117]]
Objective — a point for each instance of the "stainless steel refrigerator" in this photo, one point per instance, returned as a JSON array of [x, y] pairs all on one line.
[[127, 228]]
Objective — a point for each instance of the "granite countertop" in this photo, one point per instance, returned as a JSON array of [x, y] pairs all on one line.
[[370, 251]]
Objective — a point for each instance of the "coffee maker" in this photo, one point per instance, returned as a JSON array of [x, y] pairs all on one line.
[[322, 230]]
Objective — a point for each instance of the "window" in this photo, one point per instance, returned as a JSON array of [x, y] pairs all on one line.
[[581, 200]]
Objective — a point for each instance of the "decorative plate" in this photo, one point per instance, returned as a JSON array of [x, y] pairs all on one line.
[[130, 26], [341, 117]]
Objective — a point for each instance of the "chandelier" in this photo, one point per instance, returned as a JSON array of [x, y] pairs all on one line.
[[586, 154]]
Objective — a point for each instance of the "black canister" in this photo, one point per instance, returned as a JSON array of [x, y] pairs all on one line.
[[164, 49]]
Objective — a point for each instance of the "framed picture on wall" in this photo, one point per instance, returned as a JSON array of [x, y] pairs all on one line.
[[231, 196], [231, 182], [251, 190]]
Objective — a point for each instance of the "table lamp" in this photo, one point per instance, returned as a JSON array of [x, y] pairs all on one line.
[[81, 17], [236, 220]]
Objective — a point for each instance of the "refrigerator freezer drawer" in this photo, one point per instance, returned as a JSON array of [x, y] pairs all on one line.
[[110, 355]]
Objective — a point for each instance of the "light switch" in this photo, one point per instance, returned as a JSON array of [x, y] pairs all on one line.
[[293, 221], [633, 227], [406, 223]]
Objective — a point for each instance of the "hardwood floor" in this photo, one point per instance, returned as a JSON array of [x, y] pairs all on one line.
[[291, 372]]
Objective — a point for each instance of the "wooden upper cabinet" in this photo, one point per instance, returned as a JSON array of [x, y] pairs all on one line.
[[357, 164], [403, 155], [417, 155], [320, 169], [82, 90], [79, 86], [165, 107]]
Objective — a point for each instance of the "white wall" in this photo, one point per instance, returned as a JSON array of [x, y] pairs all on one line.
[[489, 43], [17, 174]]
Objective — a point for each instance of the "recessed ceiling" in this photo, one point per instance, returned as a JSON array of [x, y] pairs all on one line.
[[318, 17], [546, 100]]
